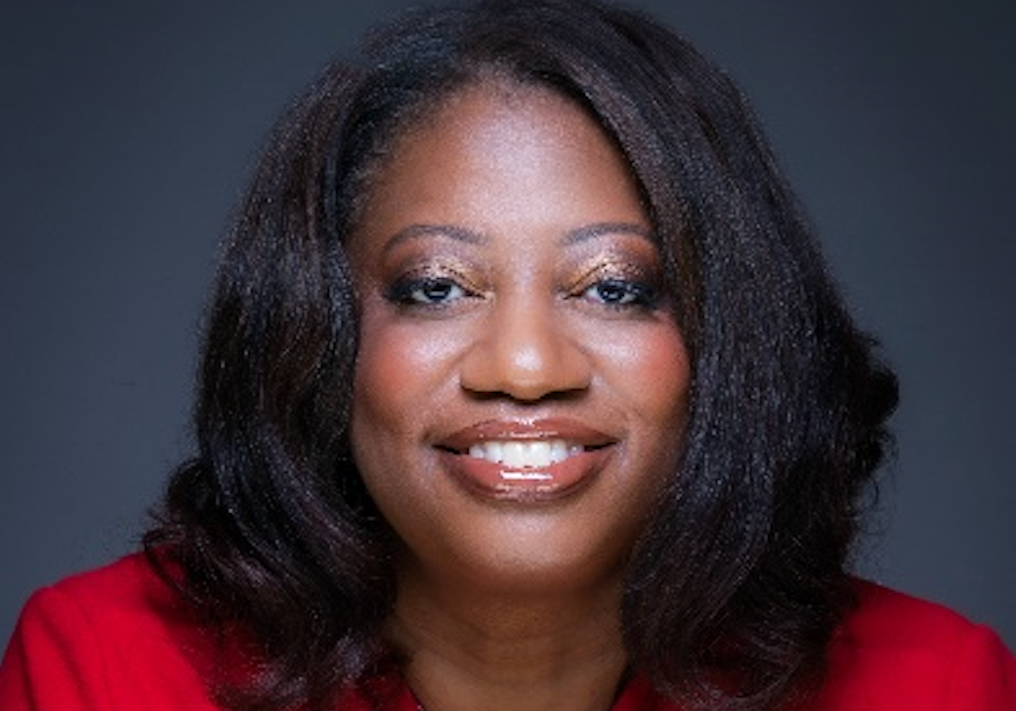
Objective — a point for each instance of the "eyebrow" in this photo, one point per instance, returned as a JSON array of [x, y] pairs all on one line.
[[600, 229], [455, 232], [468, 236]]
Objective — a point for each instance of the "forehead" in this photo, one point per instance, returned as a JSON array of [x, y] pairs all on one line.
[[500, 147], [503, 119]]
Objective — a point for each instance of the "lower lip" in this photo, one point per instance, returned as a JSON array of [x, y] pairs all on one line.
[[495, 481]]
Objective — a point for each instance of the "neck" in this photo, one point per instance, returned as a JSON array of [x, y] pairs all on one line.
[[469, 650]]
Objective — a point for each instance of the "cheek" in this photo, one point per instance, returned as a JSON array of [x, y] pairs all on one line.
[[380, 377], [396, 364], [651, 375], [385, 379], [651, 371], [401, 371]]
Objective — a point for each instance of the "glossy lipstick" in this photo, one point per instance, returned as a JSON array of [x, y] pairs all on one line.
[[526, 461]]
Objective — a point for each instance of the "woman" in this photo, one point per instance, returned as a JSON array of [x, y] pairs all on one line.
[[524, 386]]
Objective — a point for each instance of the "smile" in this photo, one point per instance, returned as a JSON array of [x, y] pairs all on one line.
[[527, 462], [525, 454]]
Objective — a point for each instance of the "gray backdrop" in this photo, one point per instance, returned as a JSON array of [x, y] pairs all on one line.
[[128, 129]]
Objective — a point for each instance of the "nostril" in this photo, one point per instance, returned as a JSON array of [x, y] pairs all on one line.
[[523, 353]]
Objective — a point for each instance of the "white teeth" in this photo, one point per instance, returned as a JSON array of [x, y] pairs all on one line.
[[522, 454]]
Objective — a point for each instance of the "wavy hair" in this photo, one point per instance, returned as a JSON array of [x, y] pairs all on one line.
[[735, 587]]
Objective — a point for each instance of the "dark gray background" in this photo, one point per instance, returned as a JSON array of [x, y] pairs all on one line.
[[127, 129]]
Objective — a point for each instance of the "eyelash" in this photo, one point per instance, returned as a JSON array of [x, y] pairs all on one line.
[[623, 294], [412, 291]]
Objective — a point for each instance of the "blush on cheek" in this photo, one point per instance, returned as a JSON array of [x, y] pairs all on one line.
[[654, 367]]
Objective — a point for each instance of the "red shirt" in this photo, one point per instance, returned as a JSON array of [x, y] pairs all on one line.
[[116, 639]]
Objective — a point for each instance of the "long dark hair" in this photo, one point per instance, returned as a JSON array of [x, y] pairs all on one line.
[[736, 585]]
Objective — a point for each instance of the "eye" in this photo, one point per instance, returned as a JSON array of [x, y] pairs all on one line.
[[426, 291], [621, 292]]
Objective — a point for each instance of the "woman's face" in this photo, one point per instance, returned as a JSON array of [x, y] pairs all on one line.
[[521, 384]]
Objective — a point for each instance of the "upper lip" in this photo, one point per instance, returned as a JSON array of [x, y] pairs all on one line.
[[568, 429]]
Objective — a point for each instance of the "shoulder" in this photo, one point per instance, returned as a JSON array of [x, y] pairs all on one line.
[[126, 600], [129, 585], [886, 617], [894, 651], [116, 637]]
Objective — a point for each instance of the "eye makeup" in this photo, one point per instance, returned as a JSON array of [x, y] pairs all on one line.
[[432, 285], [618, 283]]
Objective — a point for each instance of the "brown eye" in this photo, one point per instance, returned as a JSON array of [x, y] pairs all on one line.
[[426, 291], [621, 293]]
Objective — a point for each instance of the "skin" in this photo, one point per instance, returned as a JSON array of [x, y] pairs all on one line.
[[508, 276]]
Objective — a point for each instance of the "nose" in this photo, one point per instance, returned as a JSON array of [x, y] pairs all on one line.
[[524, 351]]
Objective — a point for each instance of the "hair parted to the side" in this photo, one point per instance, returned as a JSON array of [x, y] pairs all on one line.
[[735, 587]]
